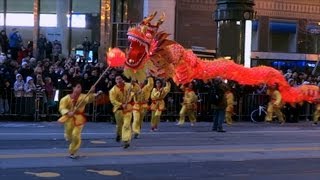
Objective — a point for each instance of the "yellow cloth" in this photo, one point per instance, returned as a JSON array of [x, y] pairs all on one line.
[[123, 117], [229, 108], [189, 106], [158, 105], [316, 113], [141, 105], [73, 125], [274, 106]]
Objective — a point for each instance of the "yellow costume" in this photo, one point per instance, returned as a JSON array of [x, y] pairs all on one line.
[[316, 114], [141, 106], [274, 106], [189, 106], [118, 97], [229, 108], [73, 125], [158, 105]]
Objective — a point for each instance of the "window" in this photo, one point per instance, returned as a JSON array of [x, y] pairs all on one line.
[[78, 20], [46, 20], [19, 19]]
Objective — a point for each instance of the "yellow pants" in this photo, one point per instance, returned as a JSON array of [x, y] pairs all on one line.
[[138, 116], [155, 118], [123, 121], [228, 117], [276, 110], [191, 113], [316, 116], [72, 134]]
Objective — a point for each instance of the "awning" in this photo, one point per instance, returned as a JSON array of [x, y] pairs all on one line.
[[255, 25], [283, 27]]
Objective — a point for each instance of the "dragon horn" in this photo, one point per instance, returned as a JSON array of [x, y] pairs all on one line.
[[149, 18], [161, 20]]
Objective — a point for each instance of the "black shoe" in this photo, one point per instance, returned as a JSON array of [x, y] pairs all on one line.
[[118, 138], [214, 129], [126, 145], [221, 130], [136, 136]]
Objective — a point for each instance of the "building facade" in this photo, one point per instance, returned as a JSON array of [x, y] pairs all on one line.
[[283, 31]]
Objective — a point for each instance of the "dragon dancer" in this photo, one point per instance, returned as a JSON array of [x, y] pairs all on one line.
[[158, 105], [274, 105], [229, 109], [121, 96], [316, 114], [140, 106], [72, 108], [189, 105]]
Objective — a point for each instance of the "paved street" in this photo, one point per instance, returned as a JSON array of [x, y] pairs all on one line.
[[30, 150]]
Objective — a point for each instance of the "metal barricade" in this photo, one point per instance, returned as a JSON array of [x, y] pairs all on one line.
[[37, 108]]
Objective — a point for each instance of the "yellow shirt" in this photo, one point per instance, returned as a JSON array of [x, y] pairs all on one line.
[[230, 99], [190, 98], [141, 98], [275, 96], [119, 96], [157, 96], [67, 105]]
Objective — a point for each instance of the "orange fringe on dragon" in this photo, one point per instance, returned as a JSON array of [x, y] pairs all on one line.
[[164, 58]]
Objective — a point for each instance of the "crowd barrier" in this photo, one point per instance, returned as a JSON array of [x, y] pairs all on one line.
[[40, 108]]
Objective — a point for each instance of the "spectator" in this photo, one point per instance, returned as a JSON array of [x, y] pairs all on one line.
[[64, 83], [50, 92], [57, 50], [5, 96], [86, 48], [25, 70], [4, 42], [15, 42], [19, 86], [49, 50], [219, 104], [95, 51], [41, 45], [29, 87]]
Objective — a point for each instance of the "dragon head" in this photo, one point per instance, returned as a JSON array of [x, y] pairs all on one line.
[[143, 41]]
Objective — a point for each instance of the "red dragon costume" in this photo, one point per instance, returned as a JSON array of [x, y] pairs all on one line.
[[150, 49]]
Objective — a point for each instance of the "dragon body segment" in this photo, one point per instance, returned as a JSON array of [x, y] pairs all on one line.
[[151, 51]]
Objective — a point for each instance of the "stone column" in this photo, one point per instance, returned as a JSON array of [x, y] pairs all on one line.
[[36, 28], [61, 33], [105, 28]]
